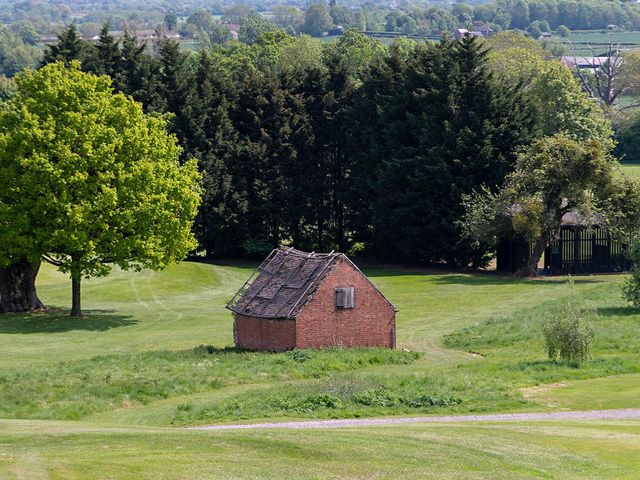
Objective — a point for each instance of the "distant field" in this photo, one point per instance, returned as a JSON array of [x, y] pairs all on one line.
[[631, 169], [604, 37], [588, 43], [190, 45]]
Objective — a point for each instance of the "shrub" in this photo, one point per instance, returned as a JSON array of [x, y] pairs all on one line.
[[567, 336], [631, 288], [431, 401], [305, 404], [299, 356], [375, 398]]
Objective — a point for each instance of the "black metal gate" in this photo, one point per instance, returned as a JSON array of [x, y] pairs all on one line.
[[580, 250], [586, 250]]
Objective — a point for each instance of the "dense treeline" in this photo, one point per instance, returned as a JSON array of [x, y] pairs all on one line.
[[500, 15], [24, 25], [349, 146], [15, 53], [318, 17]]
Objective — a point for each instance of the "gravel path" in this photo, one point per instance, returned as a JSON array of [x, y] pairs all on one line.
[[628, 414]]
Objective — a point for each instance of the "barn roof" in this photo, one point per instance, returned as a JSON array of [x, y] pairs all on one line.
[[283, 283]]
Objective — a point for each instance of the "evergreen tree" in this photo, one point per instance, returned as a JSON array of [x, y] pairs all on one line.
[[211, 138], [175, 80], [104, 57], [138, 74], [450, 129], [69, 47]]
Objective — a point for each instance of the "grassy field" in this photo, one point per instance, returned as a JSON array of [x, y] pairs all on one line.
[[70, 451], [618, 391], [605, 37], [631, 169], [106, 393], [588, 42]]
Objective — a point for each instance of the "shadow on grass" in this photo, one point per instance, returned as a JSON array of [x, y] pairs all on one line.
[[618, 311], [57, 320], [445, 276], [478, 279]]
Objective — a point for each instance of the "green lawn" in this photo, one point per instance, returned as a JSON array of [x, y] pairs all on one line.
[[631, 169], [587, 450], [79, 394], [618, 391]]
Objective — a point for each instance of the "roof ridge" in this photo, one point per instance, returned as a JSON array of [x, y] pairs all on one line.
[[294, 251]]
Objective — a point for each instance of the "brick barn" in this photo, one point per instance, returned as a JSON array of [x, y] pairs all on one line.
[[310, 300]]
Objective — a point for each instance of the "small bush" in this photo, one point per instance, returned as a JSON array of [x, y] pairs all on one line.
[[431, 401], [299, 356], [375, 398], [631, 288], [306, 404], [567, 336]]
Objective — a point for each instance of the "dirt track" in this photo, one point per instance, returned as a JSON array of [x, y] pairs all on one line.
[[627, 414]]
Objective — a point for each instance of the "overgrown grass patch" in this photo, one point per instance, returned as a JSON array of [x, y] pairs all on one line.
[[358, 395], [74, 389], [514, 350]]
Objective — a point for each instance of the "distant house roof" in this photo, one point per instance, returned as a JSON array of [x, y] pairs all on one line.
[[589, 63], [573, 217], [577, 219], [482, 30], [232, 27], [582, 62], [474, 32], [286, 280]]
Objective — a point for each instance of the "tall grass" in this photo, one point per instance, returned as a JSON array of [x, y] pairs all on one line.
[[72, 390]]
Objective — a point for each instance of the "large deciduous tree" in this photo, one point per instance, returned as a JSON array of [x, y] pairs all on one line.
[[552, 177], [555, 97], [317, 20], [89, 180]]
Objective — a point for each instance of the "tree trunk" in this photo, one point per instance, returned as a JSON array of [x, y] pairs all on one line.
[[76, 309], [531, 268], [18, 287]]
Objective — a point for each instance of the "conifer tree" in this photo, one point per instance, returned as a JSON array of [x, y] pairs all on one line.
[[104, 57], [138, 74], [211, 138], [174, 80], [451, 129], [69, 47]]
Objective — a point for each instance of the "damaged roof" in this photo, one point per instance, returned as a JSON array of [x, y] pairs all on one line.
[[283, 283]]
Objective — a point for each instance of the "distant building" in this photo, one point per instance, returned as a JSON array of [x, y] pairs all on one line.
[[477, 31], [310, 300], [483, 31], [592, 64], [233, 29]]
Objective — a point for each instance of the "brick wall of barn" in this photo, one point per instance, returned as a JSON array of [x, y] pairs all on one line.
[[370, 323], [265, 334]]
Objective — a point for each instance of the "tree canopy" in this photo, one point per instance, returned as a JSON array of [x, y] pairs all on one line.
[[352, 144], [90, 180]]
